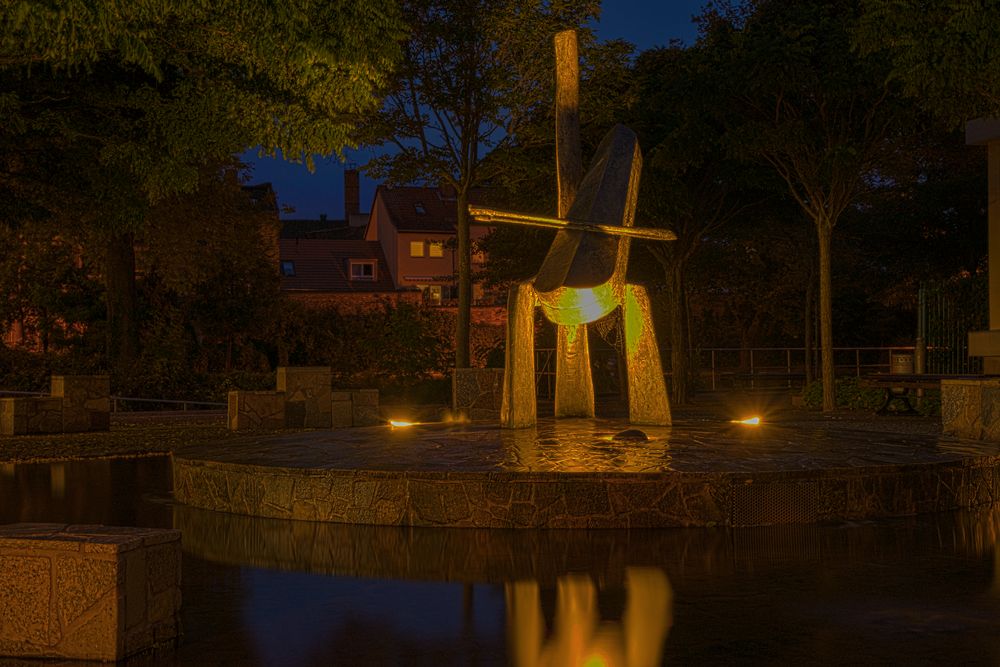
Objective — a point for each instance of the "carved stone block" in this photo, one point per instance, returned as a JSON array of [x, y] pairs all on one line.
[[87, 592], [253, 410], [477, 393], [342, 409], [308, 394], [31, 415], [364, 403], [86, 402]]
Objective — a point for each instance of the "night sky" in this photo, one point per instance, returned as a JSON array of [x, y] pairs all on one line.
[[645, 23]]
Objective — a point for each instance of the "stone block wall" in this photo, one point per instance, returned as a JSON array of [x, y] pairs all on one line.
[[86, 402], [304, 399], [309, 403], [971, 408], [477, 393], [76, 403], [256, 410], [30, 415], [87, 592]]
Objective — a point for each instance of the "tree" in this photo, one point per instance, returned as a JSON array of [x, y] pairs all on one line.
[[128, 99], [944, 53], [815, 112], [689, 185], [473, 72]]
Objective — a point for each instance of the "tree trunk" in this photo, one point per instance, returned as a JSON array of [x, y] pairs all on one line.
[[679, 365], [824, 229], [123, 337], [807, 339], [463, 322]]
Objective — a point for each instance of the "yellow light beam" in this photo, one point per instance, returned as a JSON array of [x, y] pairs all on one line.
[[750, 421]]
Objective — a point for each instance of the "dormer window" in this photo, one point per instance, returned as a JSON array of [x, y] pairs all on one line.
[[287, 267], [419, 208], [362, 269]]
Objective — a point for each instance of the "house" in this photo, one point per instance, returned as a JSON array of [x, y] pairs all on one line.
[[404, 249], [416, 228]]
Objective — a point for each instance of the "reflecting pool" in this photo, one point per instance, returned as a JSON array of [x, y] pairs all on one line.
[[270, 592]]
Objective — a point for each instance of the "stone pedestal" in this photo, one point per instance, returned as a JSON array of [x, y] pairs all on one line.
[[30, 415], [87, 592], [255, 410], [971, 408], [86, 402], [364, 407], [308, 396], [477, 393]]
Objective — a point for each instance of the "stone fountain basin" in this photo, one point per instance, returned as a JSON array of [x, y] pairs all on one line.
[[572, 474]]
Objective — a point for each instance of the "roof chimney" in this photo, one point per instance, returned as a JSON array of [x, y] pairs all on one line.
[[352, 193]]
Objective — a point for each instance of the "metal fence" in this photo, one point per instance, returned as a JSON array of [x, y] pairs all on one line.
[[120, 402], [729, 367]]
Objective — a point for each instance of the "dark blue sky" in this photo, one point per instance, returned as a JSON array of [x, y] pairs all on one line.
[[645, 23]]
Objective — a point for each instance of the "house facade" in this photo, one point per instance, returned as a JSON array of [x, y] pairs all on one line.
[[416, 228], [403, 249]]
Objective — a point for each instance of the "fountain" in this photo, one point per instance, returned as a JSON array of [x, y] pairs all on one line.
[[574, 470]]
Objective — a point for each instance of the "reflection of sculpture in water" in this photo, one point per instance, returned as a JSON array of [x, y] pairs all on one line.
[[580, 638], [583, 276]]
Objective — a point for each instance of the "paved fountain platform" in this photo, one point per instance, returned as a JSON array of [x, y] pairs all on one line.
[[574, 474]]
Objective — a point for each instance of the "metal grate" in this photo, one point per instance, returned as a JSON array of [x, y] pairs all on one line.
[[772, 503]]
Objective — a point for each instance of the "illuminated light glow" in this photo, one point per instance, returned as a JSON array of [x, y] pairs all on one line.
[[749, 421], [571, 305], [595, 661], [399, 423]]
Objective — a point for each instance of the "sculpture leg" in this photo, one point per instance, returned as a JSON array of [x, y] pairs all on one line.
[[518, 409], [574, 388], [647, 392]]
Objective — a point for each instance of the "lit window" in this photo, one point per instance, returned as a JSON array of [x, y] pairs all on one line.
[[419, 208], [287, 267], [435, 249], [416, 248], [362, 270]]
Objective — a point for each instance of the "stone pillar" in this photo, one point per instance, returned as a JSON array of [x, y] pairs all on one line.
[[86, 402], [986, 344], [364, 404], [518, 408], [970, 408], [307, 394], [477, 393], [342, 410], [87, 592]]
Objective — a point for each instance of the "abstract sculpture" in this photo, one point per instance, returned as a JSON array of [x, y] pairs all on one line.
[[583, 276]]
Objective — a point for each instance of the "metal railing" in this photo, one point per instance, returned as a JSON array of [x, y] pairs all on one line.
[[731, 367], [761, 366], [116, 400]]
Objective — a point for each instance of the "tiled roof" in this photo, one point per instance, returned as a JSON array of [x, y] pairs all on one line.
[[322, 265], [320, 229], [438, 209]]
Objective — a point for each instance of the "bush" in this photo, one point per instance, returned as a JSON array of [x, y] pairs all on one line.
[[854, 397]]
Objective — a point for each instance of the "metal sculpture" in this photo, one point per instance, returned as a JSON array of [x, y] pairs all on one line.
[[583, 276]]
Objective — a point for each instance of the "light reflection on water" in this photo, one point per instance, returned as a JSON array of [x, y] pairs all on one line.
[[270, 592]]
